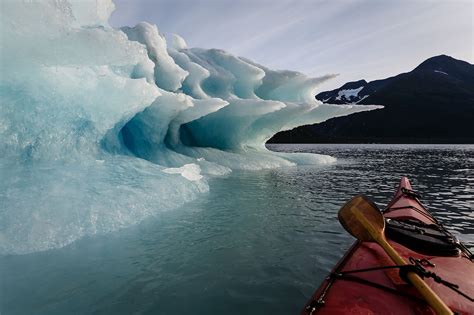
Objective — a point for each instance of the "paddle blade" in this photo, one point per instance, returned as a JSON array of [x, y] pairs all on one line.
[[362, 218]]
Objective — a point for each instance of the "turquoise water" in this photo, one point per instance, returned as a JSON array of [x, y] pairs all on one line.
[[258, 243]]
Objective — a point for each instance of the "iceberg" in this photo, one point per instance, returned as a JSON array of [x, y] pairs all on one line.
[[103, 127]]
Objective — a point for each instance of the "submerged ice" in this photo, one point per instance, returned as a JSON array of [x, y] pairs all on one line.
[[102, 127]]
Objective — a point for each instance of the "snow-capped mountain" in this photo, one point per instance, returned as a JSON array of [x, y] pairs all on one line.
[[357, 92], [349, 93], [432, 103], [353, 92]]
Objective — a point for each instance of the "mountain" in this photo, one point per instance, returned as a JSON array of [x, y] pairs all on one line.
[[434, 103], [349, 93]]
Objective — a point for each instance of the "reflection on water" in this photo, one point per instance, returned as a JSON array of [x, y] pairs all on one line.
[[443, 174], [258, 243]]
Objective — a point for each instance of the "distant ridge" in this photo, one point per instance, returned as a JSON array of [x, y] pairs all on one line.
[[434, 103]]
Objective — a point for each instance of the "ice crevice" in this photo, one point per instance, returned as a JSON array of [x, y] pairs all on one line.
[[101, 128]]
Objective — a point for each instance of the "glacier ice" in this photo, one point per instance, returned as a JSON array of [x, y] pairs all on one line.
[[102, 127]]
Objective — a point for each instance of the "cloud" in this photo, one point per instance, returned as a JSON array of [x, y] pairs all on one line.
[[358, 39]]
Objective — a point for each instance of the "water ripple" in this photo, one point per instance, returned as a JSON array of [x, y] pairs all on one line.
[[259, 243]]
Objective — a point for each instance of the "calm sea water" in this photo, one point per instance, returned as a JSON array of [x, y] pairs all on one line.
[[258, 243]]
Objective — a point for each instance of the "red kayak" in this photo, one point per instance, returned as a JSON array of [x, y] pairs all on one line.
[[365, 280]]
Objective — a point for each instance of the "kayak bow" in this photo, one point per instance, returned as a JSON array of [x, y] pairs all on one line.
[[366, 281]]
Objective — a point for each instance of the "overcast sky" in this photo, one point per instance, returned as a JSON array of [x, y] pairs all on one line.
[[360, 39]]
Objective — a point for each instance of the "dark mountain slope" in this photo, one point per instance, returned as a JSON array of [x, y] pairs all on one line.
[[434, 103]]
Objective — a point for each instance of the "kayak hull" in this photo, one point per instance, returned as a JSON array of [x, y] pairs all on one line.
[[383, 291]]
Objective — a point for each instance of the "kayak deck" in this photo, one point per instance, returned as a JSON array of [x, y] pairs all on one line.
[[382, 291]]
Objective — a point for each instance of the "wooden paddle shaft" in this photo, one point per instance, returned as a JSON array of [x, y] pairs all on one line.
[[430, 296]]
